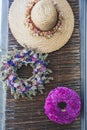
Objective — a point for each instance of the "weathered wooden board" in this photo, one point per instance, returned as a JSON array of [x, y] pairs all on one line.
[[29, 114]]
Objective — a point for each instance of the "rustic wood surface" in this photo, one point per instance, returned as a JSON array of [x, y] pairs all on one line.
[[29, 114]]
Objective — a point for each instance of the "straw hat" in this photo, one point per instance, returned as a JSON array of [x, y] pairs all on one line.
[[43, 24]]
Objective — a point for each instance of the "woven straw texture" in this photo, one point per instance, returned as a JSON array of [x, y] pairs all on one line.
[[23, 35], [29, 114]]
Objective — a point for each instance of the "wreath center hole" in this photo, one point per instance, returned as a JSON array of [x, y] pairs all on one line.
[[62, 105], [25, 71]]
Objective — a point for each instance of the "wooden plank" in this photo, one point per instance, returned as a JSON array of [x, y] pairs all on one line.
[[29, 114]]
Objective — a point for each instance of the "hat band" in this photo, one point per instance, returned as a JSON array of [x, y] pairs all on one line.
[[35, 31]]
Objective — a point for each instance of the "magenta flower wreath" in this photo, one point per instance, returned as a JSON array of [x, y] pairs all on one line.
[[62, 105], [25, 87]]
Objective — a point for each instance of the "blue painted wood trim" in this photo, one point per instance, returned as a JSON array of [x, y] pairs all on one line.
[[83, 46], [4, 29], [4, 49]]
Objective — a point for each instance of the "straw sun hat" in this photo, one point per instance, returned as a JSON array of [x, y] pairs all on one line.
[[43, 24]]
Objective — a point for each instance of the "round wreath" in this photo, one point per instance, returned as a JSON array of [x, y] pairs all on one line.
[[25, 87], [62, 105]]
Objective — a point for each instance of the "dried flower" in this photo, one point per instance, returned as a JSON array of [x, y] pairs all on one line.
[[34, 30], [23, 87]]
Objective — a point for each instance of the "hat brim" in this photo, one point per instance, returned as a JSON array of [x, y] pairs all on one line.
[[24, 36]]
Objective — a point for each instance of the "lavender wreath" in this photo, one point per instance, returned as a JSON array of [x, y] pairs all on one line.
[[25, 87]]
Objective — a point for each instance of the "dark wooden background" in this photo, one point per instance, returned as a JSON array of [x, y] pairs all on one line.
[[25, 114]]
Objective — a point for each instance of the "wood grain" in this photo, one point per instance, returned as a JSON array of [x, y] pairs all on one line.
[[29, 114]]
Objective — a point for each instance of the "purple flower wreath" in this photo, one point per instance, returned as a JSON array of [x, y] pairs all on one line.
[[62, 105], [25, 87]]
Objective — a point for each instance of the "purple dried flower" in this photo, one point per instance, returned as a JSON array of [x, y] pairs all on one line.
[[11, 77], [17, 56], [34, 59], [6, 65], [10, 62], [43, 69], [62, 105]]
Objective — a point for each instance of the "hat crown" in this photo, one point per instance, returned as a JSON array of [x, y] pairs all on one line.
[[44, 15]]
